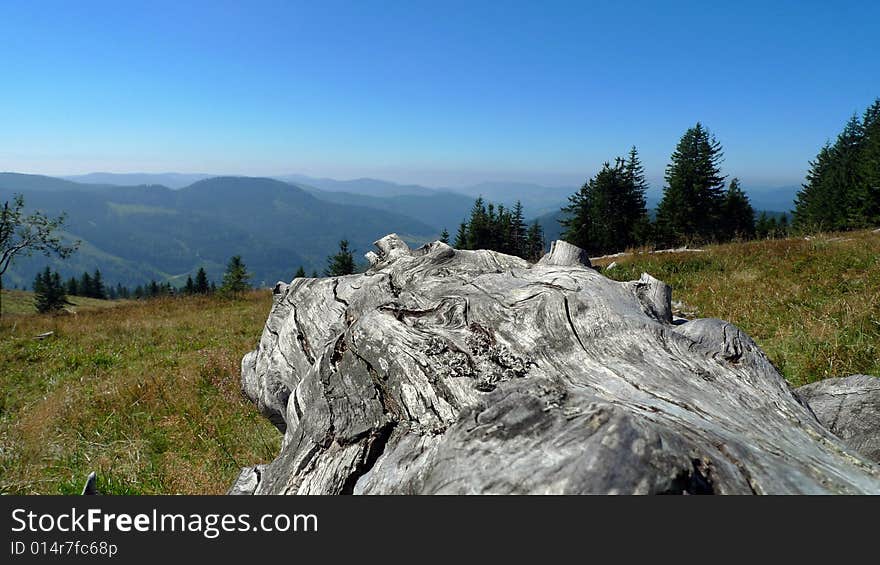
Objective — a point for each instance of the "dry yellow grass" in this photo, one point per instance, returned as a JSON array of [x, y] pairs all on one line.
[[146, 393], [812, 304]]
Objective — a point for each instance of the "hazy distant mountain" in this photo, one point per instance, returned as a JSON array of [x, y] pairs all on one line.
[[775, 199], [363, 186], [171, 180], [134, 234], [437, 209], [17, 182]]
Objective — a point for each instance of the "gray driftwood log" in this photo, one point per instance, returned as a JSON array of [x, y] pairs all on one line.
[[444, 371], [849, 407]]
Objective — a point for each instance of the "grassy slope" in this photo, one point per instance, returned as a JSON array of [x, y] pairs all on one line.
[[146, 393], [14, 302], [812, 305]]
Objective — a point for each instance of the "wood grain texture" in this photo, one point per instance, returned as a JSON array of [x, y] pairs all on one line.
[[446, 371]]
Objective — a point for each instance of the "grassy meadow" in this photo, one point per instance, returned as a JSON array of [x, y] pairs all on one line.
[[147, 392], [812, 304]]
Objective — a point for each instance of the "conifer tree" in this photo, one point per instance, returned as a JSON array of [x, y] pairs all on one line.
[[201, 282], [86, 286], [98, 290], [71, 287], [518, 231], [461, 238], [737, 214], [300, 273], [691, 203], [608, 213], [236, 277], [842, 188], [636, 210], [49, 292], [762, 226], [534, 245], [868, 195], [444, 236], [341, 263], [190, 287]]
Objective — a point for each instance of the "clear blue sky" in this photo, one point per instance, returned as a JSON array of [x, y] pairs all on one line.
[[440, 93]]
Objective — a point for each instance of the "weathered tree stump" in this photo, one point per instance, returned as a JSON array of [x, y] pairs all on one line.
[[444, 371]]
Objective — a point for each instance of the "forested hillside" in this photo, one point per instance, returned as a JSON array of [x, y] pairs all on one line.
[[136, 234]]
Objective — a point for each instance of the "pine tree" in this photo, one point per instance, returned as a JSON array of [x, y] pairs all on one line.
[[691, 203], [236, 277], [342, 263], [300, 273], [49, 292], [737, 214], [153, 291], [444, 236], [98, 290], [201, 282]]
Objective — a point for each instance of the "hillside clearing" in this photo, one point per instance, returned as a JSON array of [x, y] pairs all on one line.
[[147, 392]]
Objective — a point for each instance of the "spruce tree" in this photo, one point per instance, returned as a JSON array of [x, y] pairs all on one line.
[[518, 230], [342, 263], [577, 218], [444, 236], [534, 243], [86, 287], [49, 292], [842, 188], [691, 204], [762, 226], [236, 277], [461, 238], [190, 287], [868, 196], [300, 273], [201, 282], [72, 287], [636, 210], [98, 290], [737, 214], [608, 213]]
